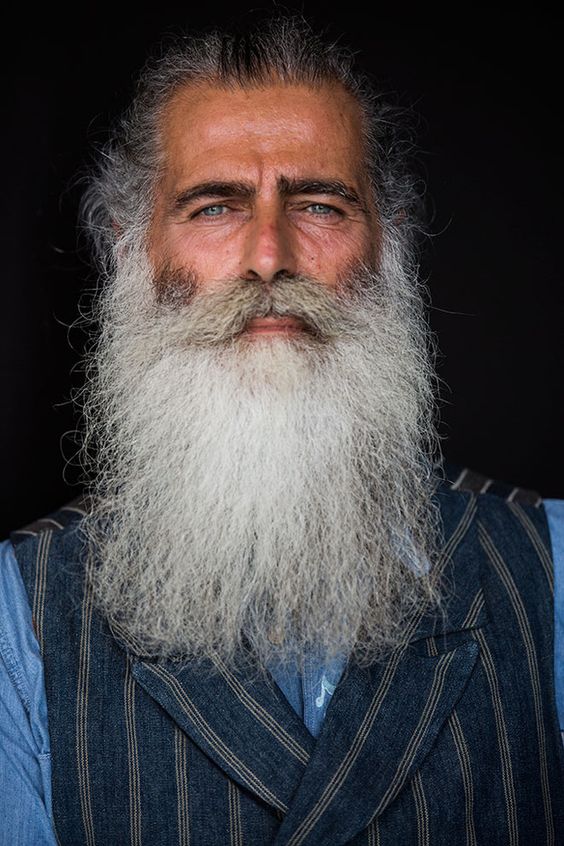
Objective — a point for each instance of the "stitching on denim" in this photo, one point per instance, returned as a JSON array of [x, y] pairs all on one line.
[[14, 669]]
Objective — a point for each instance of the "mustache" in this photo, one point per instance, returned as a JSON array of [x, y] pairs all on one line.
[[220, 311]]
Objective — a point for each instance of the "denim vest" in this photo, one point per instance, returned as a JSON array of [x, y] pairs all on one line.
[[453, 740]]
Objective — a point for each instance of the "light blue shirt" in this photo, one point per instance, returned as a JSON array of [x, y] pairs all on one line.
[[25, 762]]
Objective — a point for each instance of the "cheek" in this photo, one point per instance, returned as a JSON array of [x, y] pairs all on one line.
[[211, 255], [327, 254]]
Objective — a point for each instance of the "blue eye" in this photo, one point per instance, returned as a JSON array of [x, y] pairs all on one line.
[[213, 211], [320, 208]]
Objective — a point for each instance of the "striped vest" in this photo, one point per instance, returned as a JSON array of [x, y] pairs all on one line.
[[453, 740]]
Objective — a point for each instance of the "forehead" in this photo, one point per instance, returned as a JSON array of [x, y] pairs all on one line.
[[280, 129]]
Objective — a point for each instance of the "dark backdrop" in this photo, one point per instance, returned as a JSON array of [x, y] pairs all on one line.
[[487, 93]]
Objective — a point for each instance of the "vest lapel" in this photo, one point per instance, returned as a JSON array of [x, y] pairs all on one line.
[[245, 726], [378, 729], [383, 721]]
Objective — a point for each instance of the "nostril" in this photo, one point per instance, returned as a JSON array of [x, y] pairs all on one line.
[[251, 276]]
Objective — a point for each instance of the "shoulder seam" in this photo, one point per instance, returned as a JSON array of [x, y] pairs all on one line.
[[55, 521], [470, 481]]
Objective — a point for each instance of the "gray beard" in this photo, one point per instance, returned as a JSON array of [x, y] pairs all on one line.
[[263, 497]]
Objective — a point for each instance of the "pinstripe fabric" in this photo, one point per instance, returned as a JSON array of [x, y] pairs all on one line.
[[133, 760], [451, 741], [372, 834], [235, 829], [466, 773], [230, 761], [502, 738], [432, 647], [38, 604], [535, 539], [416, 738], [262, 714], [421, 811], [81, 712], [350, 758], [307, 825], [458, 736], [181, 764], [475, 611], [526, 633]]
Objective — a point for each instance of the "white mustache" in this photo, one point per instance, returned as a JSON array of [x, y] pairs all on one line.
[[222, 311]]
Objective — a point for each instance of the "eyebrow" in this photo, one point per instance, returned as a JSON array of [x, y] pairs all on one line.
[[331, 187], [219, 189], [212, 189]]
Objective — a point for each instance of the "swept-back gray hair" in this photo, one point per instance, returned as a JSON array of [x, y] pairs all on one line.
[[120, 193]]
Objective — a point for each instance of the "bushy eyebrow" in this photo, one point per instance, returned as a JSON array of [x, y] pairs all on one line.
[[331, 187], [287, 187], [213, 189]]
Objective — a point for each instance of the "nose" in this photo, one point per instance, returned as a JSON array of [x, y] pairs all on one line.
[[268, 248]]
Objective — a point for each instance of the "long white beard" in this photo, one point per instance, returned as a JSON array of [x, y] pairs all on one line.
[[263, 497]]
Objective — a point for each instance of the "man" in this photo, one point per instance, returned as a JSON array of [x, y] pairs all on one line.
[[271, 621]]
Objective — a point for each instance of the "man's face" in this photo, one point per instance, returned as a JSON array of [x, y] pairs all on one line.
[[261, 182]]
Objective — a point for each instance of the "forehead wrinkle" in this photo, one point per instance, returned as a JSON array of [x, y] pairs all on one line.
[[260, 113]]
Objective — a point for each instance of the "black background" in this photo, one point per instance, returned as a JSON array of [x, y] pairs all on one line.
[[487, 91]]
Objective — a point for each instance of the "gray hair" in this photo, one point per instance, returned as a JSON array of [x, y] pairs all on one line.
[[117, 204]]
